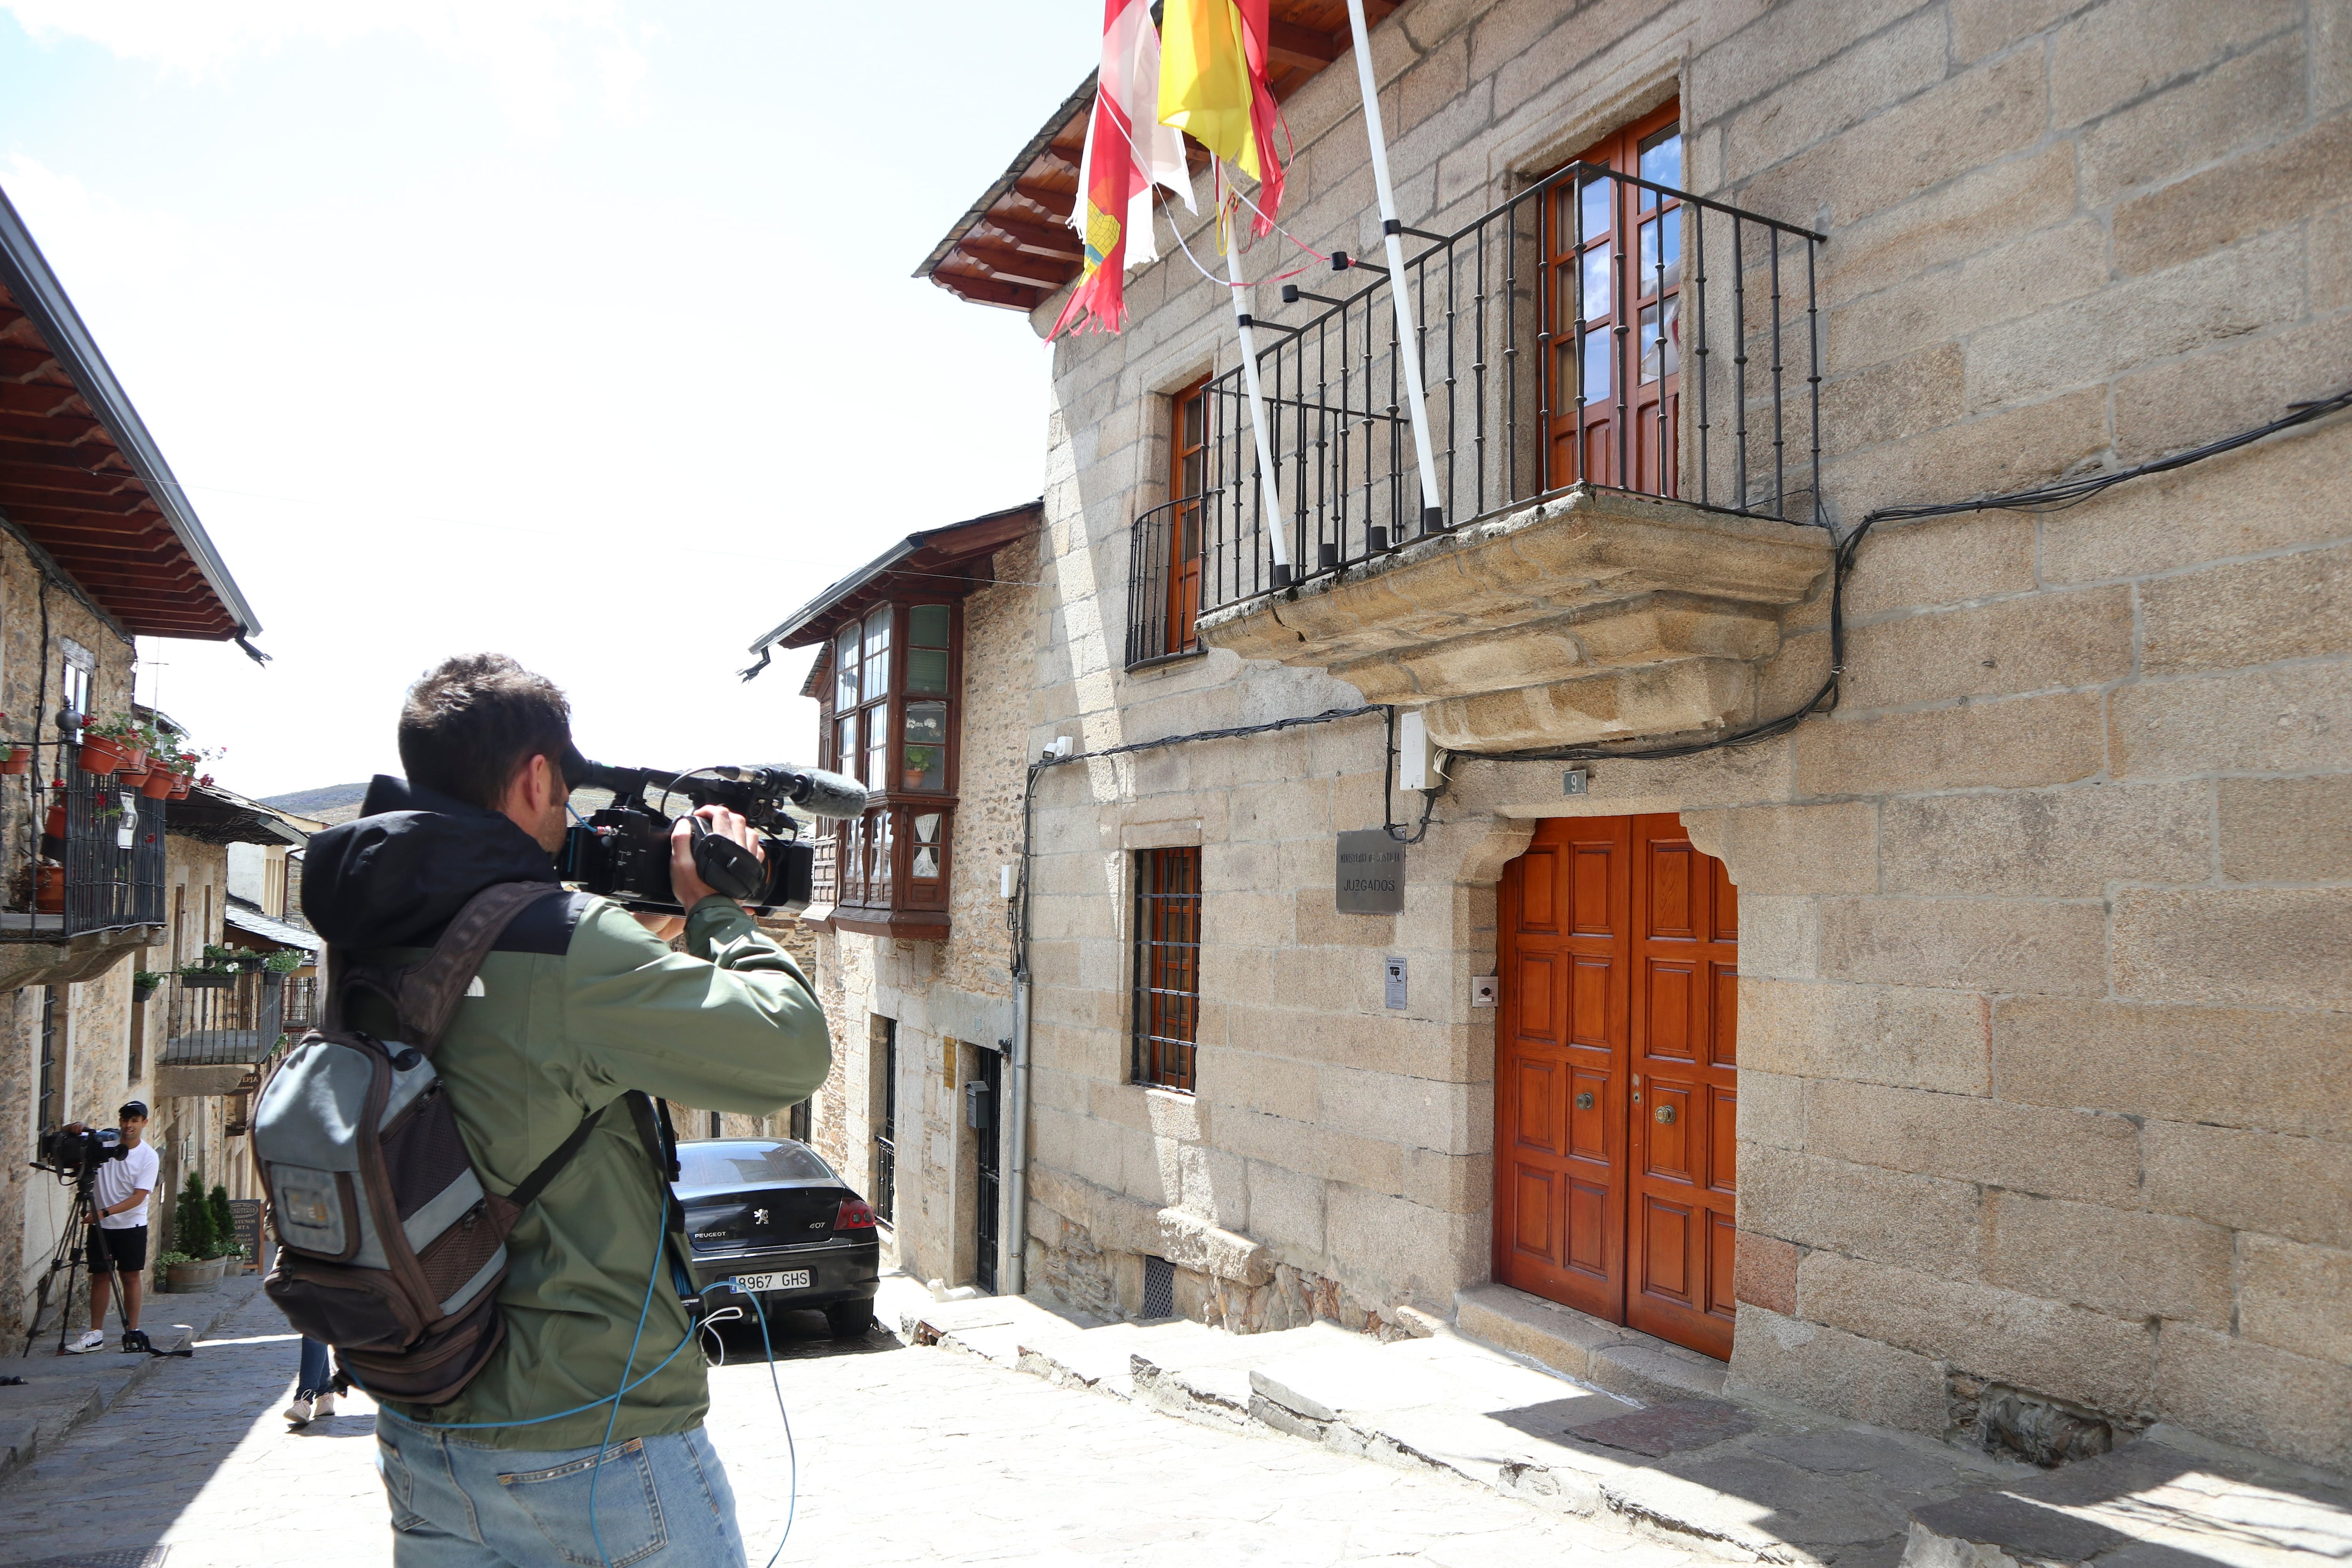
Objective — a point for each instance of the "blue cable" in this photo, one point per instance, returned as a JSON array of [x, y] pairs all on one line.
[[792, 1494], [596, 1470]]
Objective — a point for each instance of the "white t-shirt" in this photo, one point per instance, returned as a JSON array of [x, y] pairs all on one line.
[[118, 1179]]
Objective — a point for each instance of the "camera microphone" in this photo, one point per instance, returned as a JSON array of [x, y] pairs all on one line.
[[815, 791]]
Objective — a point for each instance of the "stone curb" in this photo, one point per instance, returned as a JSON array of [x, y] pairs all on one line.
[[231, 1298]]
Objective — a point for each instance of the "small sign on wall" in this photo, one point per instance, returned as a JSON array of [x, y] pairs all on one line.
[[1394, 981], [1370, 879]]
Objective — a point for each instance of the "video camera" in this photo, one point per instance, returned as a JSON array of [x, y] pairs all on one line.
[[77, 1152], [622, 850]]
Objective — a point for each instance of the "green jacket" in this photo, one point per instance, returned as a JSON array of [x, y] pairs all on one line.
[[581, 1003]]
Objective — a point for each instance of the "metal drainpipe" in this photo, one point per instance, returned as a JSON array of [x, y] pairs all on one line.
[[1016, 1233]]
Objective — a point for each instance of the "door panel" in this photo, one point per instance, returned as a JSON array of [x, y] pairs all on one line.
[[1685, 1098], [1616, 1088], [1560, 1074]]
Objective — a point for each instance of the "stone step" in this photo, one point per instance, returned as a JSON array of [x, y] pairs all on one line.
[[1576, 1344]]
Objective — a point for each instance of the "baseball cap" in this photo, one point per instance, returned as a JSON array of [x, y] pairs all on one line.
[[137, 1107]]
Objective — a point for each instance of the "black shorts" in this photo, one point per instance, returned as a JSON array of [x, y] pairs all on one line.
[[127, 1247]]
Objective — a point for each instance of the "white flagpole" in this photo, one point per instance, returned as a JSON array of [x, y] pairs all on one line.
[[1408, 343], [1277, 524]]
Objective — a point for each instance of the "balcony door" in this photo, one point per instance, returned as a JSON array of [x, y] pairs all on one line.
[[1613, 260], [1188, 478], [1616, 1083]]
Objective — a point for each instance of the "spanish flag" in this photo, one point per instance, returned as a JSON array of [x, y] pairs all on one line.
[[1212, 85]]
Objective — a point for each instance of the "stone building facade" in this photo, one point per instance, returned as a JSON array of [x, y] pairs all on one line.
[[2012, 1067], [97, 550]]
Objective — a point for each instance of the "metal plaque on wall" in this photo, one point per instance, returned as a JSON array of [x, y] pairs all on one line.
[[1372, 873]]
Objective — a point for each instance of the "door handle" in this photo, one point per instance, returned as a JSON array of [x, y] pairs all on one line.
[[1584, 1100], [1665, 1114]]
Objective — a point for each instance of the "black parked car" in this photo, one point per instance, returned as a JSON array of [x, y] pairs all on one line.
[[773, 1229]]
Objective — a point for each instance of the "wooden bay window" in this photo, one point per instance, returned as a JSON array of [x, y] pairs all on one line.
[[896, 673]]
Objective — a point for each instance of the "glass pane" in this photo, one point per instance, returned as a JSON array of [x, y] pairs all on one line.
[[1196, 472], [877, 673], [1196, 409], [1647, 283], [925, 769], [746, 1162], [1595, 195], [927, 627], [927, 827], [845, 743], [1596, 365], [880, 884], [1662, 159], [926, 867], [926, 723], [878, 749], [1595, 268], [1649, 339], [927, 671], [845, 669]]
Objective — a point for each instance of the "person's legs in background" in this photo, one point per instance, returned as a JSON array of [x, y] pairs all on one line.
[[314, 1396]]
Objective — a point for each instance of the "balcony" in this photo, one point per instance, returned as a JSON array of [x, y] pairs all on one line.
[[220, 1030], [95, 893], [1624, 466]]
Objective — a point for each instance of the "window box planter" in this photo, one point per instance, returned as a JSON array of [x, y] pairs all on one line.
[[208, 981]]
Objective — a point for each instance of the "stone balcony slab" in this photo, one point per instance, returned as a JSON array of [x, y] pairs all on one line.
[[1593, 615]]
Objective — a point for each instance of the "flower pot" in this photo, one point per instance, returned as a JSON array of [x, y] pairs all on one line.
[[131, 777], [180, 789], [49, 890], [159, 785], [20, 761], [101, 755], [181, 1277]]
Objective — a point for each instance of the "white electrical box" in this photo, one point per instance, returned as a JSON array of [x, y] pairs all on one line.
[[1416, 754], [1485, 989], [1004, 884]]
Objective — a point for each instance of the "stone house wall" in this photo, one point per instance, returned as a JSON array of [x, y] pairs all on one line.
[[2043, 1038], [950, 1000], [96, 1012]]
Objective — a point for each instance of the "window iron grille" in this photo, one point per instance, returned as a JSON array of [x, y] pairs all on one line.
[[1167, 965]]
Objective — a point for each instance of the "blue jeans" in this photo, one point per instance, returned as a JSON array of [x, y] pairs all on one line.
[[312, 1380], [663, 1503]]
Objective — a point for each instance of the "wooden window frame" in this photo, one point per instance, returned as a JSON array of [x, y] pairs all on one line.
[[1167, 957], [1183, 563], [1630, 434], [875, 855]]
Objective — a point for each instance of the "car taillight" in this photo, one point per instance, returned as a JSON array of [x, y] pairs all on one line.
[[855, 1214]]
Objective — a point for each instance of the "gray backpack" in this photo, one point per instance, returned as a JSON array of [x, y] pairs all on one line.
[[390, 1248]]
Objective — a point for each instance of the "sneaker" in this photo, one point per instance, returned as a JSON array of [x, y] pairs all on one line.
[[90, 1341], [323, 1406], [298, 1412]]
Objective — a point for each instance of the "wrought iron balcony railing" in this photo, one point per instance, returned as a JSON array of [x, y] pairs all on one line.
[[100, 863], [1596, 329], [219, 1020]]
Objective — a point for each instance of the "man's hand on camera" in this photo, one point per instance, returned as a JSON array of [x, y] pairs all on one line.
[[684, 881]]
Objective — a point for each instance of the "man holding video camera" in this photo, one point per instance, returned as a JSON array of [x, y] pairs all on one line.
[[118, 1231], [578, 1003]]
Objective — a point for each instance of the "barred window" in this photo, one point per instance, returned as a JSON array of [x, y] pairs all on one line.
[[1167, 965]]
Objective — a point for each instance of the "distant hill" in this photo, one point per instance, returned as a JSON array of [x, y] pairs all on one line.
[[329, 803]]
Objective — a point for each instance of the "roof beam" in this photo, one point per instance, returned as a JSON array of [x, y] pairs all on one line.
[[1013, 265], [1061, 204], [1293, 45], [1060, 243], [1022, 297]]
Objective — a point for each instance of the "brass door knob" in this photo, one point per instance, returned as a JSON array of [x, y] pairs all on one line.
[[1584, 1100], [1666, 1114]]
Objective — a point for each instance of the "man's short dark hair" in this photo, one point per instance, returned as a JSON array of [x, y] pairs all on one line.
[[469, 724]]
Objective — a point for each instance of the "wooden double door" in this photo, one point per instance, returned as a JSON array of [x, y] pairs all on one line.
[[1615, 1084]]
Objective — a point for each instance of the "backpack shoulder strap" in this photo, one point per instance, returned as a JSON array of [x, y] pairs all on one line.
[[425, 995]]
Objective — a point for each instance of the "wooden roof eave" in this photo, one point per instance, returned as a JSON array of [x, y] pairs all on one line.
[[34, 291]]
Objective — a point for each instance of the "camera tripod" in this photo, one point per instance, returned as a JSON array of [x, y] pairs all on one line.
[[73, 1245]]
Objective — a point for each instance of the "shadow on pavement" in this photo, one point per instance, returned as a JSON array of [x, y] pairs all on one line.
[[793, 1336]]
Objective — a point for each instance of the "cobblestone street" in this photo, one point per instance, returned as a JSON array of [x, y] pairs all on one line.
[[909, 1456]]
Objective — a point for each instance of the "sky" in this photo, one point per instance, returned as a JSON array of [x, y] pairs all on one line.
[[579, 329]]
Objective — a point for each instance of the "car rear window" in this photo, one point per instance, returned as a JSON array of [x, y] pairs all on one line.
[[745, 1165]]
